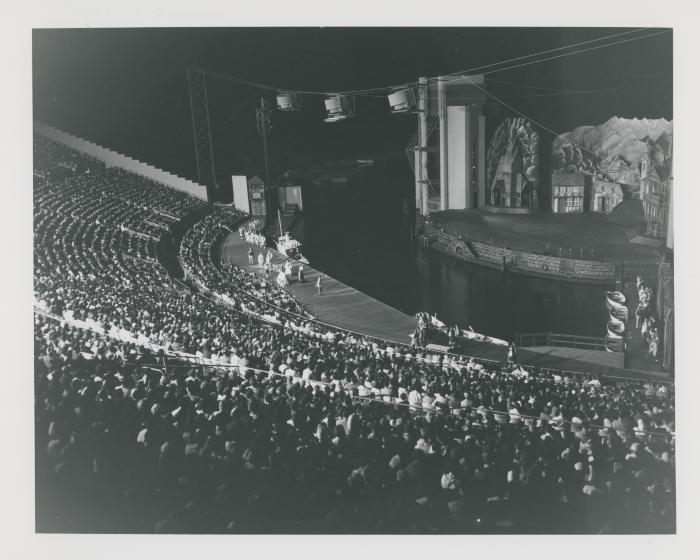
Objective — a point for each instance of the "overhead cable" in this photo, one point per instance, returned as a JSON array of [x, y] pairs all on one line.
[[484, 69]]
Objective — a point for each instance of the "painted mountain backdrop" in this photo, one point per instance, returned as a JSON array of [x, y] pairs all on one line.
[[595, 149]]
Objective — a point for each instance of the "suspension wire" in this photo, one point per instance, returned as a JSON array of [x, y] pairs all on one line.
[[487, 66], [473, 69], [542, 126], [554, 93], [604, 91], [529, 86], [238, 111], [462, 77]]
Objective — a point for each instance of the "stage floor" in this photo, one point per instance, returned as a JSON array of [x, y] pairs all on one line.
[[585, 361], [339, 304], [347, 308]]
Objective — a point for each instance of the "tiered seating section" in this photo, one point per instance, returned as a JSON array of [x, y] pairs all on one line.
[[171, 412], [253, 295]]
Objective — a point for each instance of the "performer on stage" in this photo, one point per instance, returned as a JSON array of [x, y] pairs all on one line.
[[282, 279]]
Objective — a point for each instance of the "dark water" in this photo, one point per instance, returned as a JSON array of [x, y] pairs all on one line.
[[359, 234]]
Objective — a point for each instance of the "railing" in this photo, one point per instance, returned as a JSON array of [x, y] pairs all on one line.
[[152, 261], [158, 225], [170, 362], [166, 214], [598, 343], [460, 358], [369, 339], [646, 269], [532, 339], [524, 260], [140, 234]]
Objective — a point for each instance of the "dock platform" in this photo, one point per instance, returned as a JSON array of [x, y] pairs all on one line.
[[347, 308], [593, 362]]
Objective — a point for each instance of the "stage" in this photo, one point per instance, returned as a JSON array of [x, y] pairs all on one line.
[[339, 304], [592, 362]]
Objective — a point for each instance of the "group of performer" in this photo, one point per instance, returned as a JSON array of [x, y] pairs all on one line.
[[426, 322], [283, 273], [646, 320], [251, 232], [455, 335]]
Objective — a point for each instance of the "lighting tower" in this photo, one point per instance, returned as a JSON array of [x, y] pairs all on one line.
[[204, 151], [262, 116]]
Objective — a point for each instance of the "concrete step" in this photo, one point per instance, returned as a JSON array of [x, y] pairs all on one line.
[[105, 154]]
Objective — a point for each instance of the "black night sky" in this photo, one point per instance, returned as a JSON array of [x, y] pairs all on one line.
[[127, 88]]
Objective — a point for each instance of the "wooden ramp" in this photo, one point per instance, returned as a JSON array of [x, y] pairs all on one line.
[[583, 361], [338, 305]]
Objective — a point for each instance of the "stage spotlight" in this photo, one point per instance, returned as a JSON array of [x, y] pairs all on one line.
[[403, 101], [338, 108], [288, 101]]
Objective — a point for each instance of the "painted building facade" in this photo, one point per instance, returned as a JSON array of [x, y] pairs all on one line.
[[604, 196], [655, 192], [507, 183], [569, 193], [256, 192]]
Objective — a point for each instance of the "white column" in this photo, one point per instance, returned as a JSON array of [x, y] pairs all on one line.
[[669, 225], [417, 157], [481, 160], [424, 106], [469, 130], [442, 112], [458, 157]]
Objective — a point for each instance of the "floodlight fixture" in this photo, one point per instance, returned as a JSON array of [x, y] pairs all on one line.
[[339, 107], [402, 101], [288, 101]]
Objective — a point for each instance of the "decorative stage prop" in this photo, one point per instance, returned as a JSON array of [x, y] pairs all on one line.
[[513, 165]]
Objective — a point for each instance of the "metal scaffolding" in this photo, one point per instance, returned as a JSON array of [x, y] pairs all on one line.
[[204, 150]]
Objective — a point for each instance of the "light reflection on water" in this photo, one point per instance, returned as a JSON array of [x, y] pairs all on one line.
[[372, 254]]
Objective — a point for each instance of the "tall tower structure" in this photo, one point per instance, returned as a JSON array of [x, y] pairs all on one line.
[[451, 169], [201, 128]]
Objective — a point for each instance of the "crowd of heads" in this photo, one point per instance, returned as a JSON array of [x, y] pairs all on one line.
[[169, 411], [250, 293], [54, 161], [290, 439]]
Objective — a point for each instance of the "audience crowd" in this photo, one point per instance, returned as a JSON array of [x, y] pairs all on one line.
[[160, 410], [245, 290]]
